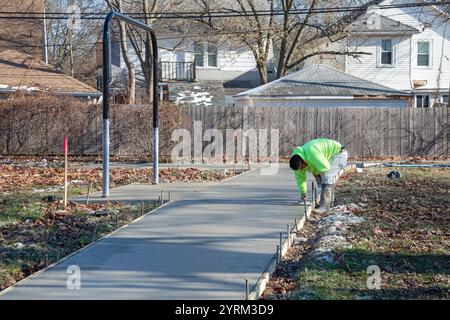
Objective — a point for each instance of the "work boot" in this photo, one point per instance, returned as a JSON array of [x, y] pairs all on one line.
[[325, 199]]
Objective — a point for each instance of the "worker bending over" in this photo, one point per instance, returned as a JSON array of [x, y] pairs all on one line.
[[324, 158]]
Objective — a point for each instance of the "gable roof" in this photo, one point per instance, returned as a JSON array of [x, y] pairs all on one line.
[[320, 80], [385, 25], [20, 71], [25, 35]]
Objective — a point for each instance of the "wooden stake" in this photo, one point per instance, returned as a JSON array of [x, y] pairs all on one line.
[[87, 196]]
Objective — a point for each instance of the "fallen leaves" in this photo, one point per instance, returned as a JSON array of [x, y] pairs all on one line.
[[13, 178]]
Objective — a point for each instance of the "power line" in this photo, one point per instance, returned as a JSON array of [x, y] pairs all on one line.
[[217, 34], [213, 14]]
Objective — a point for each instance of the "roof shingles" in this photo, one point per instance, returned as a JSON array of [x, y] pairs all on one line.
[[321, 80]]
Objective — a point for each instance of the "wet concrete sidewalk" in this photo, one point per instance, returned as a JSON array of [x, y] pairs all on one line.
[[203, 245]]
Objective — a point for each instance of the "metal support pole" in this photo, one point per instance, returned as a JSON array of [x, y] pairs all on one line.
[[88, 193], [106, 91], [281, 244], [304, 206], [332, 197], [288, 235], [315, 196], [278, 254], [155, 153], [247, 289]]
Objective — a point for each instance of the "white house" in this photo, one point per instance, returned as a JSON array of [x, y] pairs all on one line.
[[235, 67], [409, 50]]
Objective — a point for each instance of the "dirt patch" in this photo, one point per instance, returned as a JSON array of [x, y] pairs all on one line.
[[402, 228]]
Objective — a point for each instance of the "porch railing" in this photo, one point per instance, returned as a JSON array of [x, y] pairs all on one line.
[[176, 71]]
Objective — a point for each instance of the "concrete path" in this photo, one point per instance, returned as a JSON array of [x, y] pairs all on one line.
[[201, 246]]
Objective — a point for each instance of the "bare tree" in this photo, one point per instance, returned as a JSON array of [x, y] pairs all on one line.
[[131, 87], [72, 50], [294, 37], [140, 40]]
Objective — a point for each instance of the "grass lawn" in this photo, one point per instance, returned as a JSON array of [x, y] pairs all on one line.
[[35, 231], [405, 232]]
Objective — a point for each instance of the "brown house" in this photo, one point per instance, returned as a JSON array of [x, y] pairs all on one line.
[[22, 53]]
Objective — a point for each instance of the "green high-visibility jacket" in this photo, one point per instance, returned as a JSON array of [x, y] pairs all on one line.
[[317, 154]]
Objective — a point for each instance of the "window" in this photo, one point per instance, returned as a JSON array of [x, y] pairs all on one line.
[[212, 55], [386, 53], [445, 98], [423, 54], [198, 54], [205, 55], [422, 101]]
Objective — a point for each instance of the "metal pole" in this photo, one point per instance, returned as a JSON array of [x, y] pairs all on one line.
[[45, 38], [281, 244], [106, 90], [155, 110], [246, 289], [304, 203], [106, 83], [278, 254], [315, 197], [87, 196], [288, 234]]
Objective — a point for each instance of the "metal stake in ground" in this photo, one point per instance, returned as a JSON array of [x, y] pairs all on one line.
[[278, 254], [304, 204], [288, 234], [247, 289], [281, 244], [315, 197], [94, 234], [161, 199], [87, 195]]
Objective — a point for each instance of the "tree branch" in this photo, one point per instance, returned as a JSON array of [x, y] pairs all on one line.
[[354, 54]]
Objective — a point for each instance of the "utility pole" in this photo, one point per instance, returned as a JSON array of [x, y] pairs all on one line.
[[45, 36]]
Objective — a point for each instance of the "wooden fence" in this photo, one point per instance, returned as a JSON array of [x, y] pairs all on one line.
[[365, 132]]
